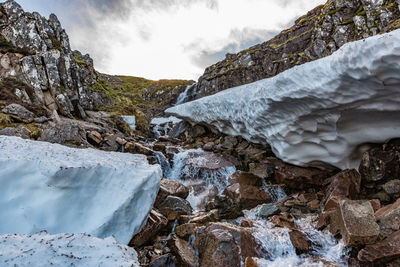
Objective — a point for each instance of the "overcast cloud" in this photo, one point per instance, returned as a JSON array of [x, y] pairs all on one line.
[[168, 38]]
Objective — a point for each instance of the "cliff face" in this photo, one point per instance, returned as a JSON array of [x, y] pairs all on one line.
[[315, 35], [36, 51]]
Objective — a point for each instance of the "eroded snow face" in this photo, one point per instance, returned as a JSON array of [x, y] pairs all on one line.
[[322, 111], [51, 187], [43, 249]]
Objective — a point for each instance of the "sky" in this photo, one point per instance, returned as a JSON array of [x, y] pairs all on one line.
[[168, 39]]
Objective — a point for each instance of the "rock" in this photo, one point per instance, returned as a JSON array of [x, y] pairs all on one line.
[[345, 184], [166, 260], [284, 221], [209, 146], [264, 170], [74, 186], [227, 208], [229, 142], [267, 210], [392, 187], [250, 262], [186, 230], [173, 206], [210, 161], [247, 196], [211, 216], [245, 178], [19, 111], [379, 164], [222, 244], [19, 131], [355, 221], [184, 255], [196, 131], [94, 137], [296, 116], [297, 178], [155, 222], [383, 252], [376, 204], [141, 149], [65, 132], [388, 218], [301, 243], [170, 188]]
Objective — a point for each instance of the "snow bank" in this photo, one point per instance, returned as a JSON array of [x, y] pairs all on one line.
[[43, 249], [59, 189], [131, 121], [320, 111]]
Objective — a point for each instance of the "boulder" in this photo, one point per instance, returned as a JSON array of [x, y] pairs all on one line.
[[211, 216], [345, 184], [245, 178], [247, 196], [388, 218], [170, 188], [19, 131], [300, 241], [355, 221], [392, 187], [222, 244], [172, 207], [186, 230], [227, 208], [166, 260], [181, 250], [94, 137], [209, 161], [155, 222], [383, 252], [20, 112]]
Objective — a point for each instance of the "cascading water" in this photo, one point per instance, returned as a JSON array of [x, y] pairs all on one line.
[[161, 125], [201, 182], [189, 92]]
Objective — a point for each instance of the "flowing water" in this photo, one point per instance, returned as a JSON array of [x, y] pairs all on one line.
[[189, 92]]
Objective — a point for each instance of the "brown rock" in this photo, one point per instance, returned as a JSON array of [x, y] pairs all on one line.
[[186, 230], [155, 222], [160, 147], [250, 262], [222, 244], [121, 141], [301, 243], [227, 208], [392, 187], [141, 149], [245, 178], [211, 216], [376, 204], [184, 255], [297, 178], [284, 221], [247, 196], [388, 218], [209, 146], [172, 207], [383, 252], [94, 137], [166, 260], [129, 147], [247, 223], [210, 161], [345, 184], [170, 188], [355, 221]]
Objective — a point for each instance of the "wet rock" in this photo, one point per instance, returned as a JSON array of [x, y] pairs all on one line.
[[170, 188], [355, 221], [301, 243], [155, 222], [141, 149], [388, 218], [196, 131], [20, 112], [210, 161], [94, 138], [284, 221], [297, 178], [172, 207], [160, 147], [345, 184], [245, 178], [211, 216], [227, 208], [263, 170], [247, 196], [222, 244], [383, 252], [184, 255], [267, 210], [186, 230], [392, 187], [166, 260]]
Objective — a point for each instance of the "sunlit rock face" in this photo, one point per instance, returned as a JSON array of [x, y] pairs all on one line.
[[66, 190], [320, 112]]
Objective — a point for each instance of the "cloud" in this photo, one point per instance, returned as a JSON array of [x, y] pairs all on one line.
[[237, 40]]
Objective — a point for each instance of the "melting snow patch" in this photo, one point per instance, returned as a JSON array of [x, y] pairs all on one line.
[[43, 249], [59, 189]]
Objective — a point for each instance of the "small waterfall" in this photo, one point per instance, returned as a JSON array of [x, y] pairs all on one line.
[[161, 125], [201, 182], [163, 161], [189, 92], [276, 241]]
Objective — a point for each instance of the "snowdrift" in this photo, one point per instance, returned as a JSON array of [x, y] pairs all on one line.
[[322, 111], [59, 189]]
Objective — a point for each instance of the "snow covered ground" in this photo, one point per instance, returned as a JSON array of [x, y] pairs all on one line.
[[43, 249], [59, 189], [322, 111], [131, 121]]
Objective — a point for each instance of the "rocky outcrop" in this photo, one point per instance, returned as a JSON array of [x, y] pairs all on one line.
[[36, 51], [316, 113], [81, 190], [315, 35]]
